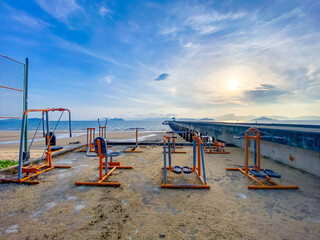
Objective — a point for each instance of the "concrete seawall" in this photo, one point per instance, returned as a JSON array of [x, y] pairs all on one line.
[[295, 145]]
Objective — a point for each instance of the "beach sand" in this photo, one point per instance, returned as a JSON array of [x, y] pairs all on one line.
[[139, 209]]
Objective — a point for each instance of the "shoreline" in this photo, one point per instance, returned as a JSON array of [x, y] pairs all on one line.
[[9, 149]]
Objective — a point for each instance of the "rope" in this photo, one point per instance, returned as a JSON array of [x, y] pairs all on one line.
[[46, 148], [32, 141]]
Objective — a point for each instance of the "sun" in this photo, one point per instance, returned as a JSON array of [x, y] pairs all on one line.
[[233, 84]]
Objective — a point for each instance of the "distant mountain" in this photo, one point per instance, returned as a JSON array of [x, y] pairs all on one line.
[[206, 119], [229, 117], [279, 117], [152, 119], [116, 120], [264, 119], [34, 119], [186, 119]]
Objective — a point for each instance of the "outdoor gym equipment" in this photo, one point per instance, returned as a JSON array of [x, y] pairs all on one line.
[[135, 148], [214, 146], [91, 133], [102, 152], [253, 172], [49, 136], [198, 162], [103, 129], [173, 144]]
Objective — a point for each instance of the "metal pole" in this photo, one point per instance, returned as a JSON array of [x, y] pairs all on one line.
[[255, 153], [258, 150], [47, 123], [88, 138], [43, 131], [199, 156], [203, 167], [70, 131], [164, 162], [194, 153], [169, 153], [21, 147], [25, 104], [247, 153], [106, 166], [137, 137]]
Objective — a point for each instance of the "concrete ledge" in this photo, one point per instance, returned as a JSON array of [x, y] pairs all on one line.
[[65, 150], [297, 146], [301, 136], [146, 143]]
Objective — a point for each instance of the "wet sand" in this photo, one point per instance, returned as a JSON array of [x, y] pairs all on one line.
[[140, 209]]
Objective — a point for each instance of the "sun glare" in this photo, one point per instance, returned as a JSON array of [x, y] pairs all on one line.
[[233, 84]]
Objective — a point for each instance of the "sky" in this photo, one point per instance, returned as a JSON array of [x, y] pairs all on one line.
[[156, 59]]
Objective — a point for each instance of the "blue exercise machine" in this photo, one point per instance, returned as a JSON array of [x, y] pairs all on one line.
[[198, 163]]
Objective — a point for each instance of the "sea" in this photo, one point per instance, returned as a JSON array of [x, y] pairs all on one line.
[[79, 127], [122, 125], [15, 125]]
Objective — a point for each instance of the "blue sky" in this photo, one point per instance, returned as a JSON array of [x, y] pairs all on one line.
[[145, 59]]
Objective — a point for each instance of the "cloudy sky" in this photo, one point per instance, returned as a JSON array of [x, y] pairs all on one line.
[[145, 59]]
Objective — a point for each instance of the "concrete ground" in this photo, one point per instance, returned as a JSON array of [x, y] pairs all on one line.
[[139, 209]]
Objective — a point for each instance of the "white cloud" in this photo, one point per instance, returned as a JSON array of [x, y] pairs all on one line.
[[24, 18], [257, 53], [104, 11], [206, 23], [60, 9], [108, 79], [214, 17], [85, 50], [29, 21], [168, 31], [207, 29]]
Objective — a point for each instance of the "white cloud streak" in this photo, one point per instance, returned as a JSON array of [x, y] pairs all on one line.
[[108, 79], [62, 10], [104, 11]]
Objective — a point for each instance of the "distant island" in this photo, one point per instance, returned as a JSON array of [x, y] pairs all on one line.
[[116, 119], [264, 119], [195, 119], [34, 119], [207, 119]]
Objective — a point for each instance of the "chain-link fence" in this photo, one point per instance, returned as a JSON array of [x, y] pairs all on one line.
[[12, 87]]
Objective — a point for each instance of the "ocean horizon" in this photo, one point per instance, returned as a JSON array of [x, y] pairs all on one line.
[[124, 125], [15, 125]]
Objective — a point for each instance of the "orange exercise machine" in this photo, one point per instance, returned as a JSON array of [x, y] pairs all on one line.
[[91, 133], [214, 146], [102, 152], [103, 129], [253, 172], [173, 144], [135, 148], [198, 162], [32, 171]]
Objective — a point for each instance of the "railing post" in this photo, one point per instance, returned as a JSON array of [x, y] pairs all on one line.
[[25, 103]]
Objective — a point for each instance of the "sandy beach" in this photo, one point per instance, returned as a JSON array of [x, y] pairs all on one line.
[[9, 141], [139, 209]]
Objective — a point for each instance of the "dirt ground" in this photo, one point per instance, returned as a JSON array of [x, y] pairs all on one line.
[[139, 209]]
